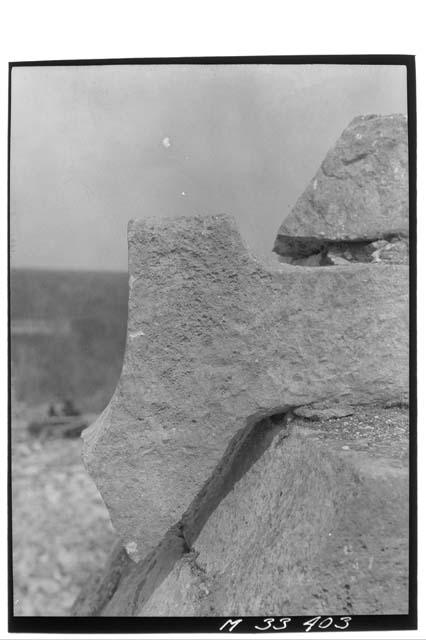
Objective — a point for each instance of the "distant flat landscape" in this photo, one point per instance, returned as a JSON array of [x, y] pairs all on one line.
[[68, 332]]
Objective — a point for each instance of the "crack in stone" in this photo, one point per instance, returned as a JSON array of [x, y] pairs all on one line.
[[357, 158], [300, 251], [245, 448]]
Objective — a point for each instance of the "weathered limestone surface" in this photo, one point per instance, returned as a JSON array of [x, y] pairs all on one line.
[[309, 528], [360, 192], [312, 519], [215, 342]]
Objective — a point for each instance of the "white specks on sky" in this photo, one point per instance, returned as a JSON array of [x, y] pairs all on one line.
[[166, 142], [183, 193]]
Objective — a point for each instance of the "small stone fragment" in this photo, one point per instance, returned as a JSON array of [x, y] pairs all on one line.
[[335, 258], [395, 252], [310, 413]]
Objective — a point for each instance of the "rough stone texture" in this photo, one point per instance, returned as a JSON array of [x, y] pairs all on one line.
[[215, 342], [395, 252], [360, 192], [310, 528], [314, 519]]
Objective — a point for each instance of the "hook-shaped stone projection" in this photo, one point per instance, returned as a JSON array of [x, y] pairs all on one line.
[[215, 342]]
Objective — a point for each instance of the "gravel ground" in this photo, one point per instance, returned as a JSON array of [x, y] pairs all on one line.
[[61, 528]]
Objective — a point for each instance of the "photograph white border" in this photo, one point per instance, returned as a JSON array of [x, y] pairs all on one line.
[[48, 30]]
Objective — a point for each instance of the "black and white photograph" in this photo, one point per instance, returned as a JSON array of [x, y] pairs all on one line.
[[212, 409]]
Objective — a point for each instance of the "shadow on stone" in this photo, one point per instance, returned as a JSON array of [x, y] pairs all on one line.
[[124, 587]]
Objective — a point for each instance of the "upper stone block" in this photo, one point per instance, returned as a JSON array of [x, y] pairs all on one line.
[[216, 341], [360, 192]]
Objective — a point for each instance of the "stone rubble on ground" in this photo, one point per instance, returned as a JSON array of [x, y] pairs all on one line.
[[61, 528]]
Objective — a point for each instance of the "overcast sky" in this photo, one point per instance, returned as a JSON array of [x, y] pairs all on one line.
[[92, 147]]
